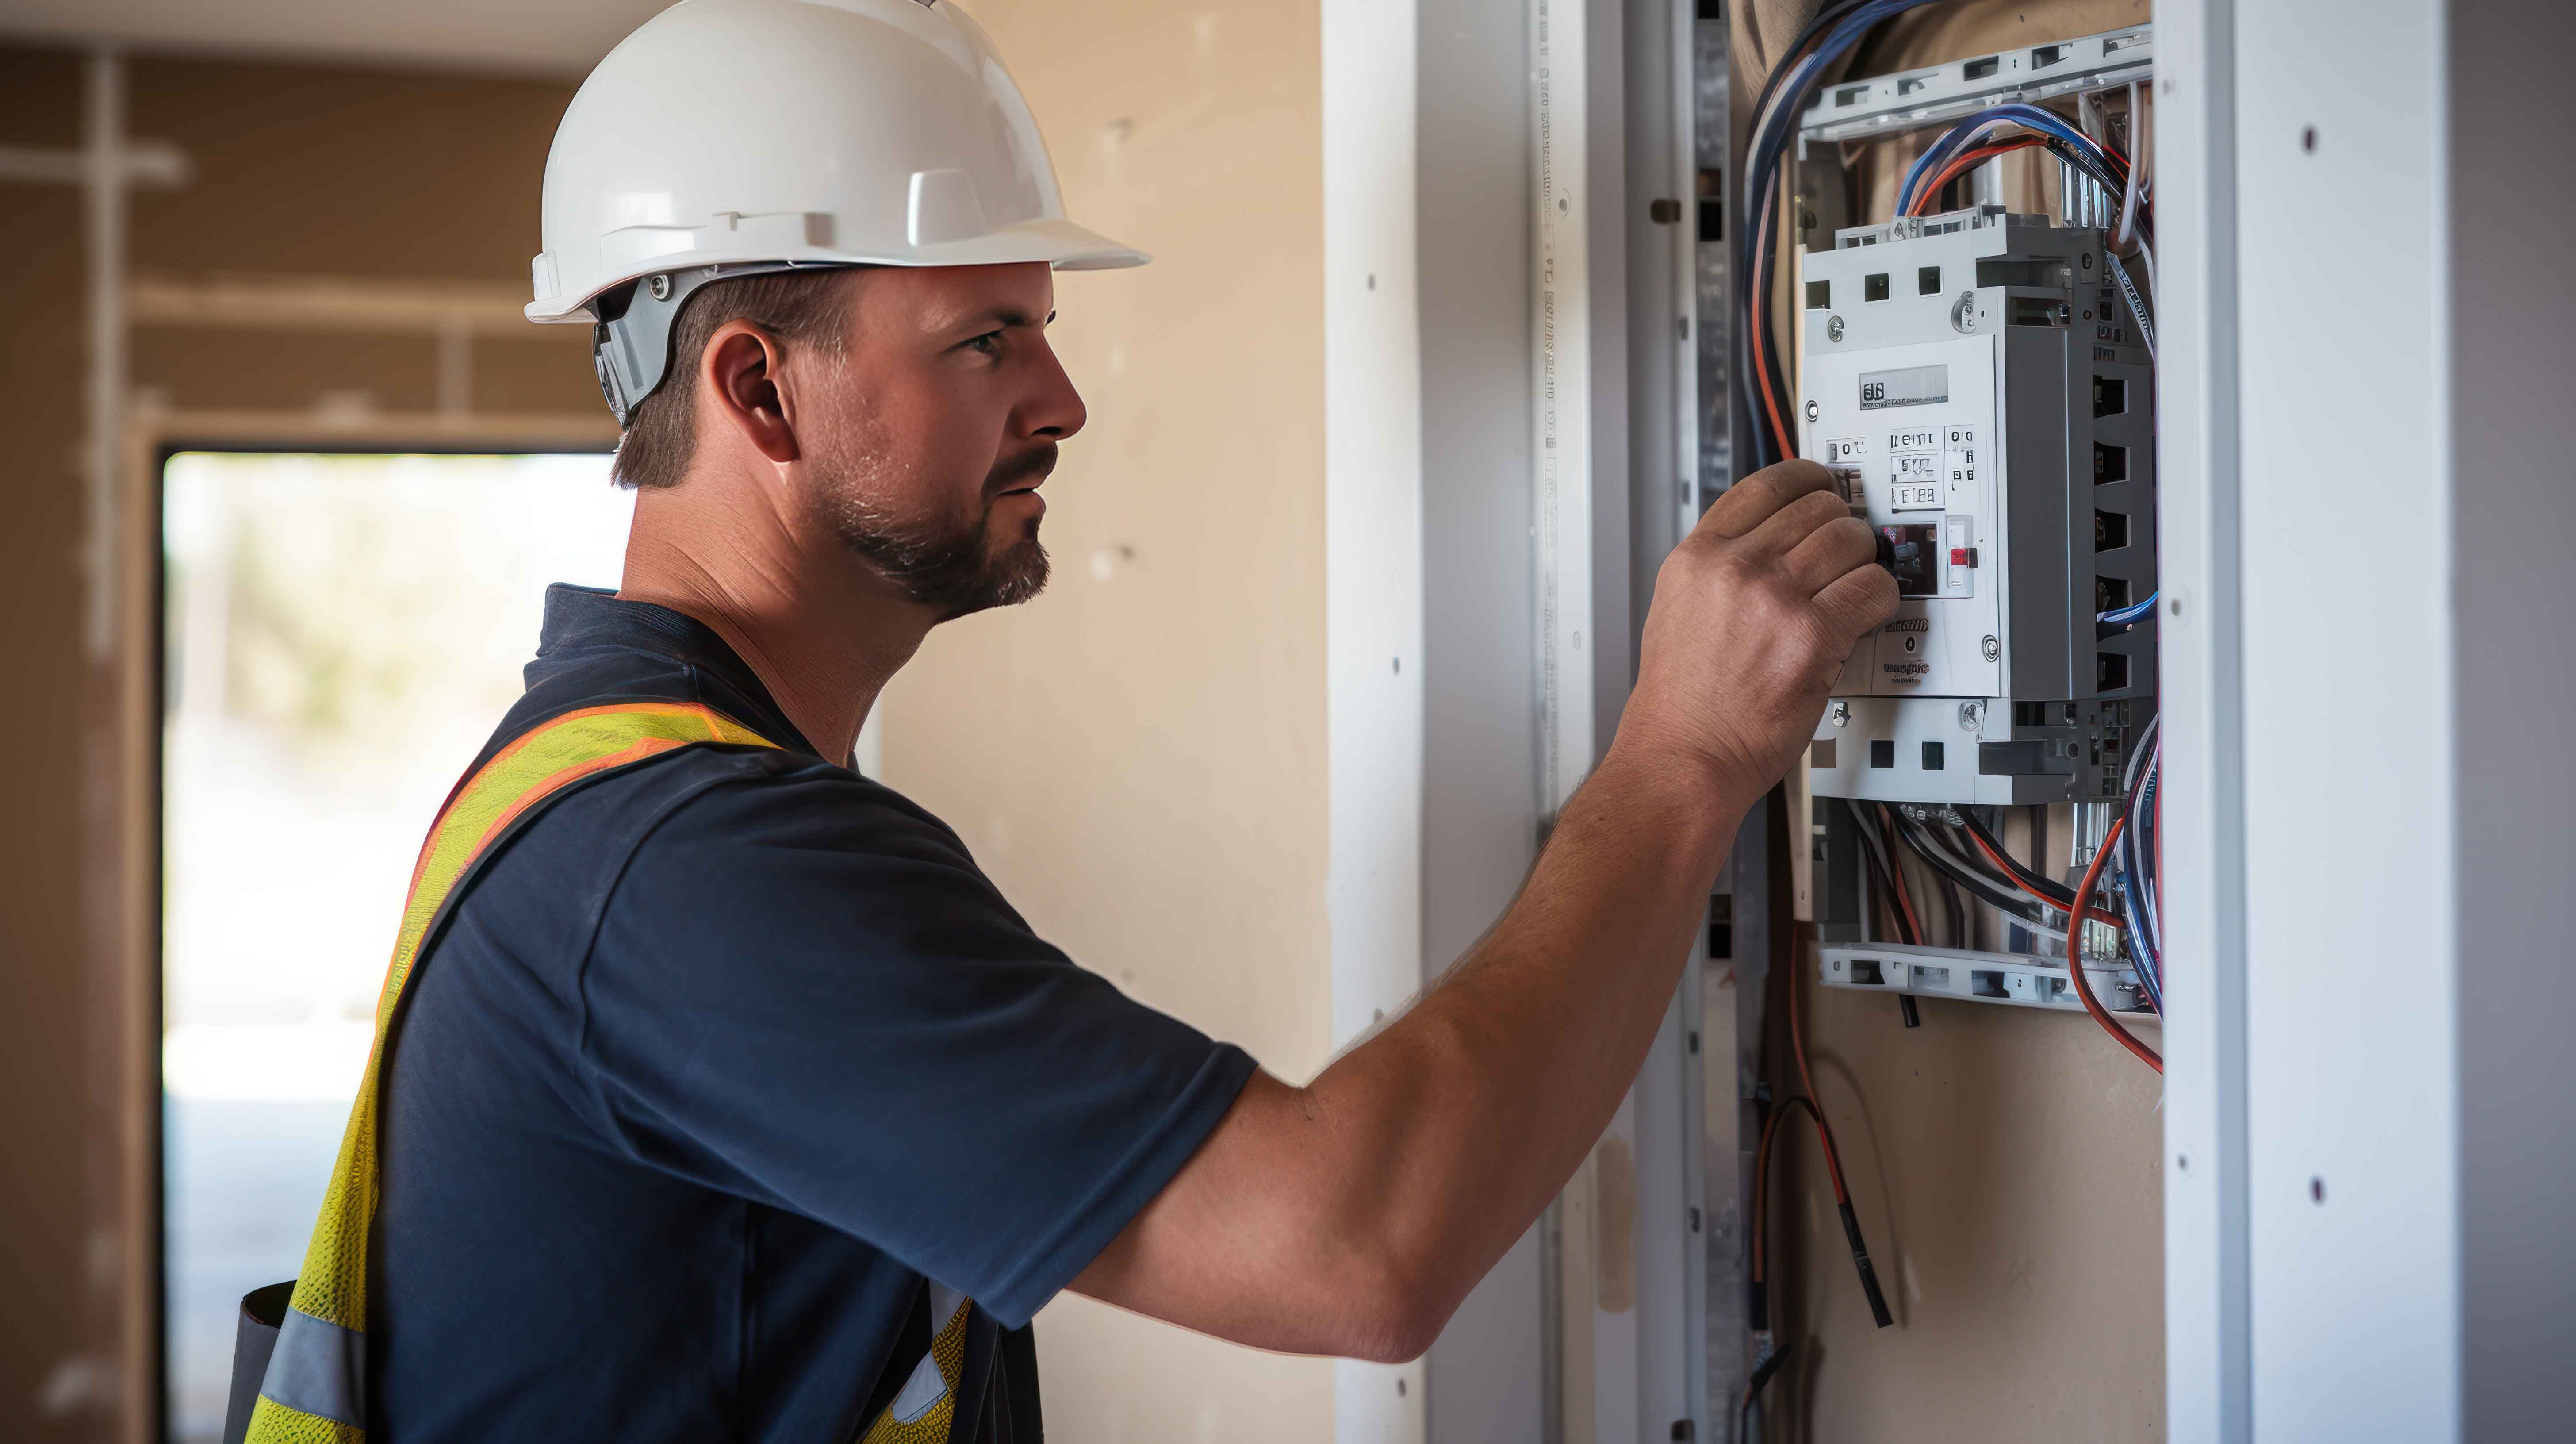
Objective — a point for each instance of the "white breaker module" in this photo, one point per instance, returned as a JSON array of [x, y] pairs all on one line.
[[1978, 389]]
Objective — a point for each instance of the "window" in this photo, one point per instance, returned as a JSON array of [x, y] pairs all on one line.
[[341, 633]]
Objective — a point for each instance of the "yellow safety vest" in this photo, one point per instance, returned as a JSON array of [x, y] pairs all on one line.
[[314, 1388]]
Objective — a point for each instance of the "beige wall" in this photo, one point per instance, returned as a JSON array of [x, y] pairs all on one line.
[[1138, 756], [2005, 1164]]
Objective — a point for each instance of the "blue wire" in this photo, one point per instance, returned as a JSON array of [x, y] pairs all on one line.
[[2142, 954], [2125, 616], [2029, 117], [1763, 168]]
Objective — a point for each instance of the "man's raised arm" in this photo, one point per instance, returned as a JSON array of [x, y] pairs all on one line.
[[1352, 1215]]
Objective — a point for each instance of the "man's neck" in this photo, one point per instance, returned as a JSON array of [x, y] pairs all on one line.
[[819, 626]]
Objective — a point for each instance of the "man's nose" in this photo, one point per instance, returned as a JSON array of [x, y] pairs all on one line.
[[1055, 409]]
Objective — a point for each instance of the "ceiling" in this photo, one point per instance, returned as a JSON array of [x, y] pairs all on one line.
[[525, 36]]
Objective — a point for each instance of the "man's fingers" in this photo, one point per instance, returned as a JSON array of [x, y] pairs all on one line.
[[1782, 532], [1830, 550], [1857, 601], [1751, 502]]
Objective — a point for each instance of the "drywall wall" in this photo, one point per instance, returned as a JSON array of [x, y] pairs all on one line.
[[2005, 1164], [1138, 756]]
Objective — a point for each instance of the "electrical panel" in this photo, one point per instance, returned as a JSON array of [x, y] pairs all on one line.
[[1977, 384]]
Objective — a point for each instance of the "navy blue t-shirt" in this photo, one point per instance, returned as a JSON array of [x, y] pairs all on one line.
[[723, 1069]]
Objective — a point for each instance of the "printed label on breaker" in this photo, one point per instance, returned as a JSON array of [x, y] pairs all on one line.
[[1916, 496], [1959, 445], [1918, 466]]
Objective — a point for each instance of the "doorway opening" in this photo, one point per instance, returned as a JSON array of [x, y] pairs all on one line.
[[340, 634]]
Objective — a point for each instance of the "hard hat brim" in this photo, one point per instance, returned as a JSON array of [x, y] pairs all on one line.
[[1058, 243]]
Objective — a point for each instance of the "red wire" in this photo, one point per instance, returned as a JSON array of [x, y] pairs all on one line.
[[1896, 868], [1968, 160], [2075, 956], [1798, 1045], [2006, 868]]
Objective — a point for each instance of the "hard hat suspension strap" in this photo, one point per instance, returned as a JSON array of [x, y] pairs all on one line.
[[630, 335]]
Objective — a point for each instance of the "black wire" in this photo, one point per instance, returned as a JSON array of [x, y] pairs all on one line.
[[1987, 890], [1879, 863], [1762, 1373], [2057, 893]]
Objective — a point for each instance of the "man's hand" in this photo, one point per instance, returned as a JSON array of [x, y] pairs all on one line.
[[1754, 615], [1351, 1215]]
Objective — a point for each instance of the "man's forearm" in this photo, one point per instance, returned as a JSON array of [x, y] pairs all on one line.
[[1471, 1110], [1350, 1216]]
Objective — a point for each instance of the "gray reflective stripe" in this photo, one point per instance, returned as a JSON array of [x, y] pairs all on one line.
[[921, 1392], [943, 1306], [319, 1368]]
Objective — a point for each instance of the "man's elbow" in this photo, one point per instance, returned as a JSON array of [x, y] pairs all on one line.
[[1396, 1319]]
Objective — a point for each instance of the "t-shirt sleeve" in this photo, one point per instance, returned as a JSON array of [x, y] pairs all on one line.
[[803, 991]]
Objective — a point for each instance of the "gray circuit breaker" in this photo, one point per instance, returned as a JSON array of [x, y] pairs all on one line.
[[1978, 386]]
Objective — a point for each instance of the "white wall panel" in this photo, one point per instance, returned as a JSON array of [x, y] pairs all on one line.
[[2351, 965]]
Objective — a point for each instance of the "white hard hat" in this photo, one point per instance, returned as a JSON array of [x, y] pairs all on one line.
[[733, 137]]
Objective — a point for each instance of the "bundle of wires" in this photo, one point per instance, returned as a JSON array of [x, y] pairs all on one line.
[[1760, 1299], [1963, 148], [1831, 35], [2038, 904], [2000, 881], [2135, 876], [1944, 158]]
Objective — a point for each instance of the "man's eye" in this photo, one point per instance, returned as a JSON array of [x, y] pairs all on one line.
[[990, 343]]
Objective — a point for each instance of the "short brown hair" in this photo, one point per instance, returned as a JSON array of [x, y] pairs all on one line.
[[796, 307]]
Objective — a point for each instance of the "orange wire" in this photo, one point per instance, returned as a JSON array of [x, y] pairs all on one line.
[[2075, 955], [1762, 1167], [1762, 325]]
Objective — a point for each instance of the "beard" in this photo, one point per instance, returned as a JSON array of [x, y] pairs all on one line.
[[952, 563]]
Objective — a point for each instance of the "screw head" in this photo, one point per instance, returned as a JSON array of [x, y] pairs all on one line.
[[660, 286], [1970, 714], [1833, 328], [1991, 648], [1814, 411], [1840, 712]]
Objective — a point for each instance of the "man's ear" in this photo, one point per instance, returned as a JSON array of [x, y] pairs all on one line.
[[739, 372]]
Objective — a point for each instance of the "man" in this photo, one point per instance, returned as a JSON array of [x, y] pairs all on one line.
[[733, 1101]]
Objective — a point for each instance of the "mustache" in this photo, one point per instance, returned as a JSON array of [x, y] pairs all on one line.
[[1029, 467]]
